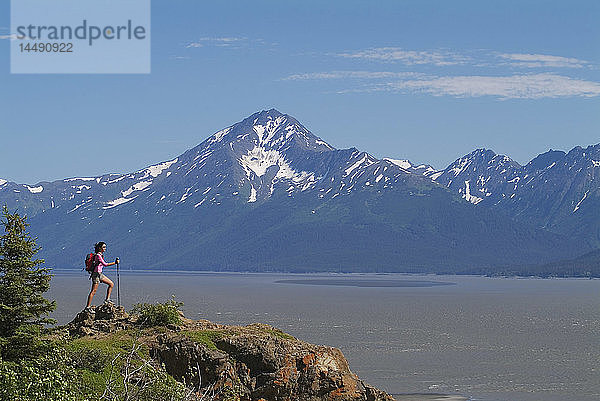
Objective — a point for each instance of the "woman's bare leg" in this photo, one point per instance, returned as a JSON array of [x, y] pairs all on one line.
[[110, 284], [92, 293]]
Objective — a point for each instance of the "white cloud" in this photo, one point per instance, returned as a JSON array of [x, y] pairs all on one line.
[[351, 75], [483, 73], [507, 87], [409, 57], [480, 58], [217, 41], [541, 61]]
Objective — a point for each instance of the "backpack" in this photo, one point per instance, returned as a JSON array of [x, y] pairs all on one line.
[[90, 263]]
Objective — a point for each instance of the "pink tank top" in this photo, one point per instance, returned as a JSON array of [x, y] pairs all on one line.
[[101, 263]]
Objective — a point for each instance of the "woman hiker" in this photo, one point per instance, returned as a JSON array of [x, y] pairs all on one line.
[[97, 275]]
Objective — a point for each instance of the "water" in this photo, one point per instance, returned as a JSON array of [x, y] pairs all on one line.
[[491, 339]]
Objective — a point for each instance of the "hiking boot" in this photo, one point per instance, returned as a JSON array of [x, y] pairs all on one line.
[[109, 301]]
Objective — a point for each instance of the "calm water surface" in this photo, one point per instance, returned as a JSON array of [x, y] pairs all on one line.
[[492, 339]]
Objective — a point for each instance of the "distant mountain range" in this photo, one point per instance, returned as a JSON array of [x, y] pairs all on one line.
[[557, 191], [265, 194]]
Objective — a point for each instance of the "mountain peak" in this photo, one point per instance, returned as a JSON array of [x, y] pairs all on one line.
[[482, 152], [265, 114], [544, 160], [269, 129], [488, 156]]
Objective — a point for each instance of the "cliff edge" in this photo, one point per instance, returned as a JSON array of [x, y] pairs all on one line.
[[257, 362]]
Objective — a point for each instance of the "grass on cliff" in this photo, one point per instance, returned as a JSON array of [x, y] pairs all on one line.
[[272, 331], [210, 337]]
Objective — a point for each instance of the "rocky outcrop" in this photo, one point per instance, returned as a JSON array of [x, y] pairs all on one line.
[[251, 363], [105, 318]]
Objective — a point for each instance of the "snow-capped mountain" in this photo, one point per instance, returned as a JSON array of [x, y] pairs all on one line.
[[267, 194], [480, 175], [247, 162], [556, 190]]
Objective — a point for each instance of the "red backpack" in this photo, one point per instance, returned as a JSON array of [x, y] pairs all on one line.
[[90, 263]]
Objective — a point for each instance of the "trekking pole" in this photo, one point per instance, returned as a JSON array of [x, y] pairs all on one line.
[[118, 285]]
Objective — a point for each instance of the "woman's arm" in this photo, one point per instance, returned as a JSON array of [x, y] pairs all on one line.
[[102, 262]]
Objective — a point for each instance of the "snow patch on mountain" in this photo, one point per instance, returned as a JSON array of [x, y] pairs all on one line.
[[427, 171], [83, 202], [80, 179], [267, 132], [136, 187], [320, 142], [2, 182], [467, 195], [582, 199], [258, 160], [140, 186], [460, 166], [117, 202], [184, 196], [157, 169], [365, 159], [34, 190], [437, 175], [199, 203], [252, 194], [80, 188], [219, 135], [116, 180], [405, 164]]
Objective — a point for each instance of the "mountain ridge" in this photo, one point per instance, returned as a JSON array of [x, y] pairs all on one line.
[[266, 194], [556, 190]]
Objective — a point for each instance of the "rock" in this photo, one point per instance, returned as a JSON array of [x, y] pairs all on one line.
[[201, 366], [105, 318], [259, 364], [110, 311], [174, 327]]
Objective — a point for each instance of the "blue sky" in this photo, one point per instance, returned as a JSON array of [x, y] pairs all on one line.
[[427, 81]]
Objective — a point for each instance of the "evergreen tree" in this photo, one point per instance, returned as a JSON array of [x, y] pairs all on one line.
[[23, 309]]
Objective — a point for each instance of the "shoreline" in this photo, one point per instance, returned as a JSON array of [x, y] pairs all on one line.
[[74, 271], [429, 397]]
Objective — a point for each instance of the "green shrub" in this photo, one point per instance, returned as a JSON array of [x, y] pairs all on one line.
[[158, 314], [93, 359], [47, 378], [106, 365]]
